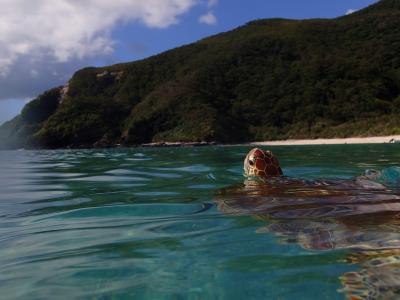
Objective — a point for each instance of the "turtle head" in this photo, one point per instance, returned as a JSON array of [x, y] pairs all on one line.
[[261, 163]]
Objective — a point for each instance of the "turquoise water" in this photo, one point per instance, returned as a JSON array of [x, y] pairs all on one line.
[[143, 224]]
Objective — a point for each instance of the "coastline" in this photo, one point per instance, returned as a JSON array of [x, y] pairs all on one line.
[[292, 142], [335, 141]]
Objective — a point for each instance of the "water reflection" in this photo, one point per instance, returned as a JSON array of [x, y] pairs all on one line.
[[361, 215]]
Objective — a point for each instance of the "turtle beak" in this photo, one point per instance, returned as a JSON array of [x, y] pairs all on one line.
[[247, 165]]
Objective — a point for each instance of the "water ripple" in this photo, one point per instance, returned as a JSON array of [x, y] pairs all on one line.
[[111, 223]]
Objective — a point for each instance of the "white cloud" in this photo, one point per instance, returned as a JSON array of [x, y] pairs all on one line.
[[350, 11], [66, 30], [208, 18]]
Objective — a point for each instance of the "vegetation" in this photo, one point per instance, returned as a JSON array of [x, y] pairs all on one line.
[[20, 131], [269, 79]]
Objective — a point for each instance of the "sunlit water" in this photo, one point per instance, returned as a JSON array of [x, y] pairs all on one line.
[[145, 224]]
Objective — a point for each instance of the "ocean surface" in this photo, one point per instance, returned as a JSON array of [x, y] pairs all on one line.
[[146, 223]]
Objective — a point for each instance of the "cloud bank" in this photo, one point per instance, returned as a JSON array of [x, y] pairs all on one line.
[[73, 29]]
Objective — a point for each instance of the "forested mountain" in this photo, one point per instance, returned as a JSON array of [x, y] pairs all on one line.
[[269, 79]]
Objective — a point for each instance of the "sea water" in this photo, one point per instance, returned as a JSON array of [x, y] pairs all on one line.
[[143, 223]]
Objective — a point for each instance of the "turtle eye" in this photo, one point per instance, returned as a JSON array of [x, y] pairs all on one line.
[[251, 161]]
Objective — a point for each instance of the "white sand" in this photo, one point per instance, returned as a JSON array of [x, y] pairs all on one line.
[[353, 140]]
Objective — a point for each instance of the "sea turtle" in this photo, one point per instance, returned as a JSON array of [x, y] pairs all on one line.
[[267, 190], [359, 214]]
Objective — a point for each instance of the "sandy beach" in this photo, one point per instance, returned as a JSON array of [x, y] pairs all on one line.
[[337, 141]]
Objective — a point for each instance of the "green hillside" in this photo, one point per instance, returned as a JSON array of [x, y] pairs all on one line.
[[269, 79]]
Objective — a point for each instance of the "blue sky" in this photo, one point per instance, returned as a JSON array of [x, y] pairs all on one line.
[[59, 37]]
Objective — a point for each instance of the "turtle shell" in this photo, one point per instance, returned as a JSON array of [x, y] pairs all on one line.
[[330, 215]]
